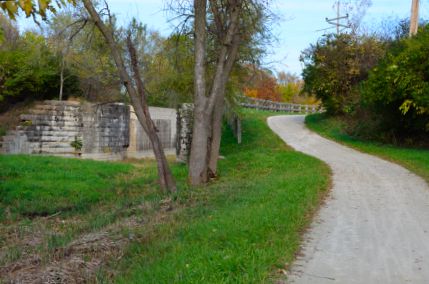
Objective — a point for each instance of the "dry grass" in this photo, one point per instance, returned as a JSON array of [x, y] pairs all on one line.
[[83, 257]]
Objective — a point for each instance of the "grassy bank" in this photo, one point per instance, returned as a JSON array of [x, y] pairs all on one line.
[[416, 160], [241, 228]]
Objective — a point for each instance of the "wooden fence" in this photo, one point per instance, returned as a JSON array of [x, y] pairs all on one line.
[[277, 106]]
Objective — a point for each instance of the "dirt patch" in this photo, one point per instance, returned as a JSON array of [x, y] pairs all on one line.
[[76, 263], [84, 257]]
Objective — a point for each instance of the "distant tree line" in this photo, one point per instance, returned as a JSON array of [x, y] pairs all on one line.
[[69, 56], [281, 87]]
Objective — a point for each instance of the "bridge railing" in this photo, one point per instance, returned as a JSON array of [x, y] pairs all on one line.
[[278, 106]]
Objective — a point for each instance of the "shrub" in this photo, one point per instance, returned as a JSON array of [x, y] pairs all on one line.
[[397, 90], [334, 67]]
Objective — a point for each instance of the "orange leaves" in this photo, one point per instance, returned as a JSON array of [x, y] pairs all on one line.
[[251, 93], [266, 88]]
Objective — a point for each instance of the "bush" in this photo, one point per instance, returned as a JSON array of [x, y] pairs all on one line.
[[397, 90], [334, 67]]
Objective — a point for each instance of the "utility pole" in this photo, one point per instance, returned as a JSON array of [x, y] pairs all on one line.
[[414, 19], [338, 17], [336, 21]]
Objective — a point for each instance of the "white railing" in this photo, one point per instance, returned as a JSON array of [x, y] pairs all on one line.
[[277, 106]]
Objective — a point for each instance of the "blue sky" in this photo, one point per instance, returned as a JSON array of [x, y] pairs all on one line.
[[296, 29]]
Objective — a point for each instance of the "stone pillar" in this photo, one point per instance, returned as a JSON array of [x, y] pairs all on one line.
[[185, 115]]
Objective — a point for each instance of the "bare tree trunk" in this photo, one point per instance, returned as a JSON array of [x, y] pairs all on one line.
[[198, 159], [216, 136], [62, 78], [166, 178], [137, 96], [198, 162]]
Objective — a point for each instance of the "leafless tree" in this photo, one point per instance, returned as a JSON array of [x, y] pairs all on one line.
[[132, 81]]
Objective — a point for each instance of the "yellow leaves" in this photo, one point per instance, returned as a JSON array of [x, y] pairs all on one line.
[[407, 104], [252, 93], [422, 110], [43, 6], [27, 6], [392, 67], [405, 107], [10, 7]]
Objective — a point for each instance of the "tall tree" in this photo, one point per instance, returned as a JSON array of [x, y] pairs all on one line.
[[230, 24]]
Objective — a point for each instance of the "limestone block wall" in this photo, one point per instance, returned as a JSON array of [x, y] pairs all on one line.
[[107, 131], [50, 128], [185, 118], [184, 132]]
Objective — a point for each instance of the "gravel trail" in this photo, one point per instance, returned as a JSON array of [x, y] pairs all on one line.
[[374, 226]]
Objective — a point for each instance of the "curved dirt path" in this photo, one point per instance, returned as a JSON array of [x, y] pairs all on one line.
[[374, 227]]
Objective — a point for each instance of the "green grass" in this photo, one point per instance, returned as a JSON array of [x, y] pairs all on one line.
[[31, 185], [51, 201], [240, 228], [416, 160]]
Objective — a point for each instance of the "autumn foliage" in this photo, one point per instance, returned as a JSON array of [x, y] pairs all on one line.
[[263, 86], [285, 87], [266, 89]]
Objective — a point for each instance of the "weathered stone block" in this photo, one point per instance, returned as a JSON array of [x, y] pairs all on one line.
[[184, 132]]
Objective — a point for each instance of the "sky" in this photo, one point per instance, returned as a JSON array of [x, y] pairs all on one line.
[[297, 27]]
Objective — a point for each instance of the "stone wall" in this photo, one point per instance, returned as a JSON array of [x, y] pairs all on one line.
[[48, 128], [51, 127], [185, 115], [107, 131], [184, 132]]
